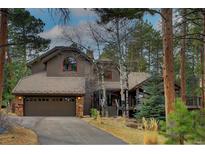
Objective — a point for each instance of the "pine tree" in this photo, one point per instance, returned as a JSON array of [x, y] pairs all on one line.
[[168, 61], [23, 37], [153, 104], [3, 47]]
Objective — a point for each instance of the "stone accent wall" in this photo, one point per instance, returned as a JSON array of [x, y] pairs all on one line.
[[18, 105], [79, 106]]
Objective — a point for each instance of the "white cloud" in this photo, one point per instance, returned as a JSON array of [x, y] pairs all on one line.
[[82, 12], [59, 35], [53, 33]]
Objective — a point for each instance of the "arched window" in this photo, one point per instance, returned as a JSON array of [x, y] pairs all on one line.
[[69, 64]]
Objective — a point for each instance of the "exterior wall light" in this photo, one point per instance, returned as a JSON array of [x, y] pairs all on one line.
[[79, 98], [19, 97]]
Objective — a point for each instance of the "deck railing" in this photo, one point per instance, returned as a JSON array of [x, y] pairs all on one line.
[[193, 102]]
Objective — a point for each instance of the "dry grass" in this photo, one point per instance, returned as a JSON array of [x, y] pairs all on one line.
[[18, 136], [8, 113], [118, 128]]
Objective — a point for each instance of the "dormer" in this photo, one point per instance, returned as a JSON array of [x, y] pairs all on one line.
[[63, 61]]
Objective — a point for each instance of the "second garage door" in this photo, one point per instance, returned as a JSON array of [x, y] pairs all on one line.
[[49, 106]]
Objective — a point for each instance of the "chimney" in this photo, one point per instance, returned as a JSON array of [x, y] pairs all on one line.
[[89, 53]]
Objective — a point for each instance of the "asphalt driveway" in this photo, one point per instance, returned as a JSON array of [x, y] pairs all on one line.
[[66, 130]]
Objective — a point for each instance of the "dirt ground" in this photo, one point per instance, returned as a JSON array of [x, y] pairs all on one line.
[[117, 127], [18, 136]]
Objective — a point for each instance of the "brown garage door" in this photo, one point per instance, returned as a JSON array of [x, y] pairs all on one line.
[[49, 106]]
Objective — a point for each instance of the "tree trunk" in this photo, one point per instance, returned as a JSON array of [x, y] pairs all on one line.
[[122, 95], [203, 64], [10, 72], [202, 78], [3, 41], [127, 96], [104, 99], [149, 57], [168, 65], [121, 68], [157, 60], [182, 58]]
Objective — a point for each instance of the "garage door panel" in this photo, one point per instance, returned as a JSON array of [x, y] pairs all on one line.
[[34, 106]]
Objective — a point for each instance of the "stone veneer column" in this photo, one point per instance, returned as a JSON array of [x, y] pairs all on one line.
[[19, 105], [79, 106]]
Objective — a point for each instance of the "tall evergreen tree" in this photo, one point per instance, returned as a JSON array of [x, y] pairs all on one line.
[[168, 61], [3, 47], [182, 57], [23, 39]]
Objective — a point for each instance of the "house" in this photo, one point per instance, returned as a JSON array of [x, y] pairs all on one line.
[[65, 82]]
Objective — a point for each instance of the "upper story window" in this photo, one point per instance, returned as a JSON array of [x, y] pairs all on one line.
[[108, 75], [69, 64]]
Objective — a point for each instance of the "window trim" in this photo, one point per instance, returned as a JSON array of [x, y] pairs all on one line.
[[111, 75], [69, 70]]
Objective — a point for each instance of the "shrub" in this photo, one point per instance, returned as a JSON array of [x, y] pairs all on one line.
[[179, 124], [150, 131], [153, 104], [94, 113], [198, 127], [184, 126]]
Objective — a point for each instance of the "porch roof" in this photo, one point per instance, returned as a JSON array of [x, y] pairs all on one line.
[[134, 79]]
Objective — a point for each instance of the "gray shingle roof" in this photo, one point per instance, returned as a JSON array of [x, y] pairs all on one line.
[[41, 84], [134, 78], [54, 51]]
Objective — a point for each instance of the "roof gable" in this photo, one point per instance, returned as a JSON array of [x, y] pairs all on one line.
[[55, 51]]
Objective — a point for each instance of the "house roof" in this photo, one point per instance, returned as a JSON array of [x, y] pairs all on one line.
[[134, 78], [55, 51], [41, 84], [145, 81], [103, 59]]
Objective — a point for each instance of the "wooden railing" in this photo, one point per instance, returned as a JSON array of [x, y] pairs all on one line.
[[193, 102]]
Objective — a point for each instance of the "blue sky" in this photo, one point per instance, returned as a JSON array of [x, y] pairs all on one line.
[[76, 17], [78, 23]]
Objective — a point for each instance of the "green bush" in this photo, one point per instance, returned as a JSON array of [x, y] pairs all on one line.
[[153, 105], [94, 113], [185, 126], [198, 127], [179, 124]]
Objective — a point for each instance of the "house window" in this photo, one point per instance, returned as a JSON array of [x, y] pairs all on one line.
[[69, 64], [108, 75]]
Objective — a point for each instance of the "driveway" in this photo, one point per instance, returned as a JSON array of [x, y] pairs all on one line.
[[66, 130]]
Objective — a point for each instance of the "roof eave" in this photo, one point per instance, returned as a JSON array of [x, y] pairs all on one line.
[[47, 94], [29, 64]]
